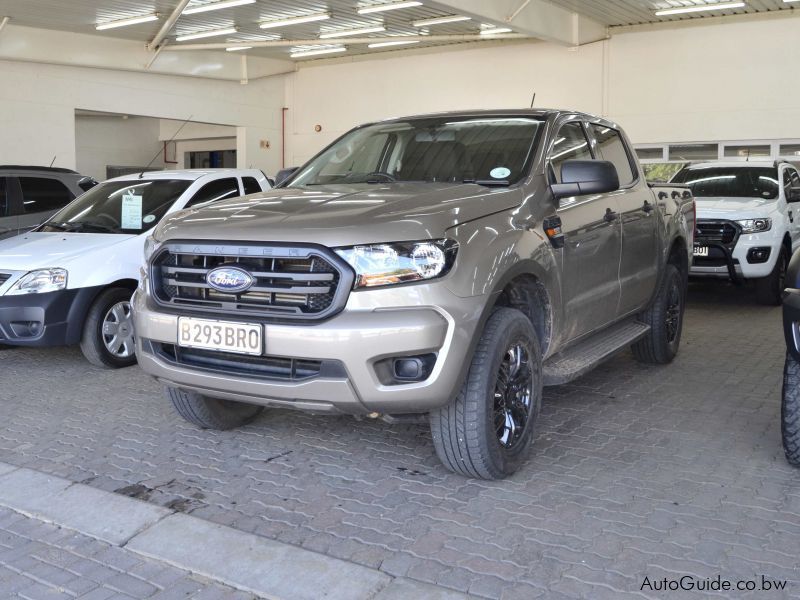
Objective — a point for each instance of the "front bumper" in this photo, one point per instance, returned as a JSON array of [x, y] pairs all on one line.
[[375, 325], [730, 261], [51, 319]]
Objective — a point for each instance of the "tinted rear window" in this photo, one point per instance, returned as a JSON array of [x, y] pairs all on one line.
[[733, 182], [42, 194]]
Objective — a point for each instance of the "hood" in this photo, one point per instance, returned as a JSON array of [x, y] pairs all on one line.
[[37, 250], [734, 208], [341, 215]]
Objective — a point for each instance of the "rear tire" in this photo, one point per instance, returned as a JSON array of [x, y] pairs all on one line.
[[790, 410], [487, 431], [211, 413], [107, 339], [665, 317], [769, 289]]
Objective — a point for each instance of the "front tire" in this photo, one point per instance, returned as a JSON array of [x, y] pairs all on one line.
[[487, 431], [107, 339], [790, 410], [769, 289], [211, 413], [665, 317]]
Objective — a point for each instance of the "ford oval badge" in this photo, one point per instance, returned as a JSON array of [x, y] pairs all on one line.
[[229, 279]]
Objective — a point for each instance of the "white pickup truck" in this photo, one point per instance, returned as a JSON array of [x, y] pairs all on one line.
[[748, 222], [70, 280]]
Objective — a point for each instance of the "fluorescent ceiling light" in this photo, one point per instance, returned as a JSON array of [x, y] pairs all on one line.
[[205, 34], [302, 53], [295, 20], [496, 30], [440, 20], [346, 32], [237, 48], [384, 7], [699, 8], [215, 6], [126, 22], [398, 43]]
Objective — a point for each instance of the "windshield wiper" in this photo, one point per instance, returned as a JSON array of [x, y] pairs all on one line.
[[56, 225], [489, 182]]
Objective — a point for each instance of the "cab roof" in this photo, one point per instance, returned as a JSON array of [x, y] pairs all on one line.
[[188, 174], [733, 164]]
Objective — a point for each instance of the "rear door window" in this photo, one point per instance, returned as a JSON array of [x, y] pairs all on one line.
[[43, 194], [611, 147], [215, 191], [250, 185], [3, 197], [571, 143]]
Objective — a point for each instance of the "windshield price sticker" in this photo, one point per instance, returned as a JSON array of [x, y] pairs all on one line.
[[131, 212]]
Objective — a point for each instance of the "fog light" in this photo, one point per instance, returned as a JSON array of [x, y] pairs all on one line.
[[758, 255], [413, 368]]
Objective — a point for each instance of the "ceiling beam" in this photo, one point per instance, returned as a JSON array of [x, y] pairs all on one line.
[[535, 18], [168, 25], [354, 41]]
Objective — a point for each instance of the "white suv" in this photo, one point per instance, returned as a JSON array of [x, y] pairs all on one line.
[[748, 221], [70, 280]]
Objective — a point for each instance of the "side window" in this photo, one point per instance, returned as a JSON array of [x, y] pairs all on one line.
[[250, 185], [42, 194], [3, 200], [214, 191], [570, 144], [795, 178], [611, 148], [787, 180]]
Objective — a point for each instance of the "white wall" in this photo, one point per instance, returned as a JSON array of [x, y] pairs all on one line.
[[38, 102], [112, 140], [724, 80]]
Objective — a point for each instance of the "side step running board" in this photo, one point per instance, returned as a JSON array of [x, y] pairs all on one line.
[[587, 354]]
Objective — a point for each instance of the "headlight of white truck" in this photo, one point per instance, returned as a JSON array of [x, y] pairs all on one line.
[[755, 225], [40, 281], [403, 262]]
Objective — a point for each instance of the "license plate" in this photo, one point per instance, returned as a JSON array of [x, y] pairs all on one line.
[[701, 250], [239, 338]]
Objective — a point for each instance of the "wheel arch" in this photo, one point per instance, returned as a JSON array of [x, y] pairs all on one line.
[[528, 294], [82, 305]]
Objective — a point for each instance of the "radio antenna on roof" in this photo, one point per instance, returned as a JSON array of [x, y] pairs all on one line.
[[52, 162], [174, 135], [533, 99]]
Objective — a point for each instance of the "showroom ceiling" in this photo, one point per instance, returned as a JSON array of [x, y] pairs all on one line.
[[633, 12], [402, 24]]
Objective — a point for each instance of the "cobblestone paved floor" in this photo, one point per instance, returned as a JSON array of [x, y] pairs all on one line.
[[39, 561], [637, 471]]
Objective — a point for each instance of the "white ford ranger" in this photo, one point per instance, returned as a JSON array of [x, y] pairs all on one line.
[[70, 280], [748, 222]]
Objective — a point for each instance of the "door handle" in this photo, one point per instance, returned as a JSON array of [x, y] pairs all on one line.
[[610, 216], [647, 207]]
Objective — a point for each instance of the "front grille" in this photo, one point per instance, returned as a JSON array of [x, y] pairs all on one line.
[[289, 282], [4, 277], [266, 367], [718, 232]]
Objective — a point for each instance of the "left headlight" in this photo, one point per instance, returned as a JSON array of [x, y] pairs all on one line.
[[403, 262], [40, 281], [755, 225]]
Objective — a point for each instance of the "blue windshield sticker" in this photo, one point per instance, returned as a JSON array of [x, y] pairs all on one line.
[[500, 173]]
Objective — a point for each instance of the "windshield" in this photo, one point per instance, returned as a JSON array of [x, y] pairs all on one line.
[[488, 151], [731, 182], [130, 207]]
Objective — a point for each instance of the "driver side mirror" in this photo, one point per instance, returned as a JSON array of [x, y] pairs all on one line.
[[793, 195], [284, 174], [582, 177]]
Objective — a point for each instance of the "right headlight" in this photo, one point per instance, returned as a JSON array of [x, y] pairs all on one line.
[[402, 262], [755, 225], [150, 246], [39, 281]]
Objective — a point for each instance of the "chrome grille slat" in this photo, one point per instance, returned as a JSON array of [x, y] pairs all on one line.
[[302, 282]]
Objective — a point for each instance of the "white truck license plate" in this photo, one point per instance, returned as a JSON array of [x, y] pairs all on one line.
[[701, 250], [240, 338]]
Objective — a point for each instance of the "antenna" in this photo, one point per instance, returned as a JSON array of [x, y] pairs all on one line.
[[748, 155], [53, 161], [174, 135], [533, 99]]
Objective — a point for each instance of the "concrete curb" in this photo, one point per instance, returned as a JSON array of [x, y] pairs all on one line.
[[242, 560]]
